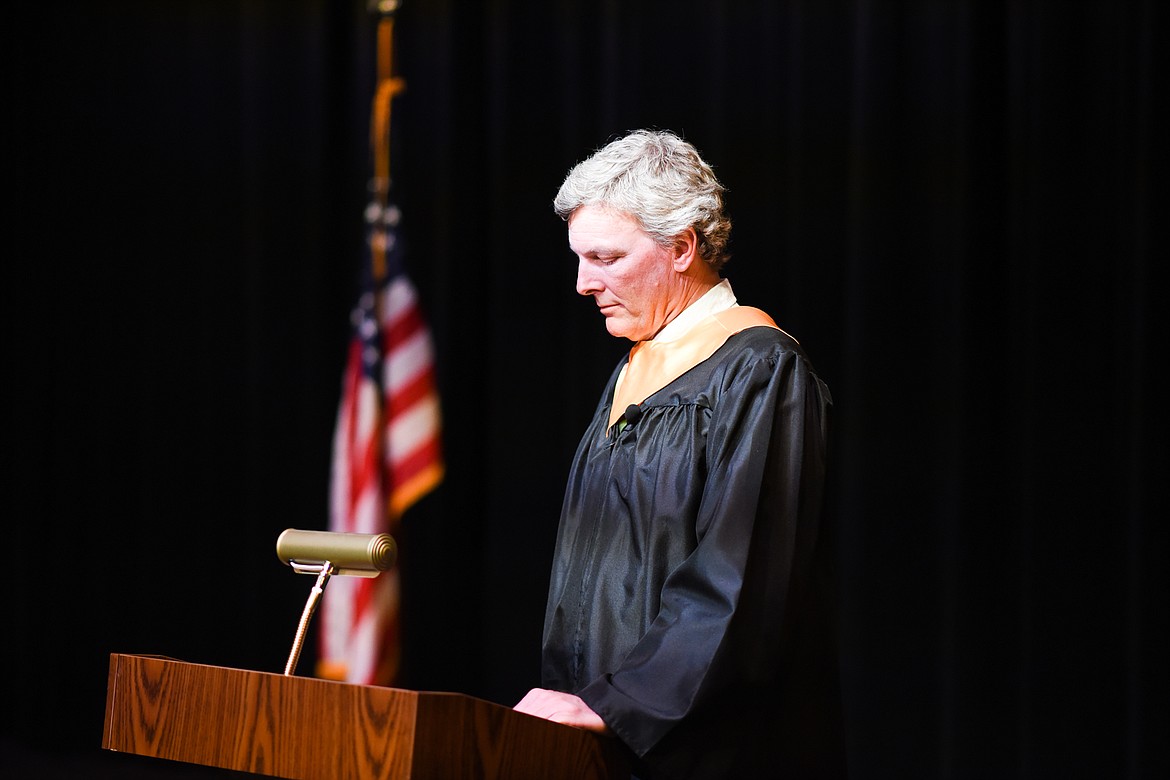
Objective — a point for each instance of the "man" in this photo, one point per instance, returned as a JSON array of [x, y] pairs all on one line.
[[685, 611]]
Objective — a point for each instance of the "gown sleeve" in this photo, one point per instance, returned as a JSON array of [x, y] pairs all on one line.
[[720, 629]]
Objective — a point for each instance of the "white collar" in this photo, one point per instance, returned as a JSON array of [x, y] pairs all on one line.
[[718, 298]]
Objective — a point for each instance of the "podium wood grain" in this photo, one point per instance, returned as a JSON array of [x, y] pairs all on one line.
[[304, 728]]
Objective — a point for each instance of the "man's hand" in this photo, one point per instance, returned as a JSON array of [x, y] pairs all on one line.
[[561, 708]]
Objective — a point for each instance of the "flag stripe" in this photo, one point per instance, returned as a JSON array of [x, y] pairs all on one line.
[[417, 462], [410, 430], [407, 360], [420, 389]]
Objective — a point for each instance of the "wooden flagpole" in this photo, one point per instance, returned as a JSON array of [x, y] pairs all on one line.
[[388, 85]]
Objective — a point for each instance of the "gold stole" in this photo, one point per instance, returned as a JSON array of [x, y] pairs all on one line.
[[653, 365]]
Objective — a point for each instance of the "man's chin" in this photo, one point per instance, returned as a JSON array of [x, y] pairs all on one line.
[[620, 330]]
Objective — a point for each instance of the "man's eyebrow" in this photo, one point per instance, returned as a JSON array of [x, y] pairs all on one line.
[[597, 251]]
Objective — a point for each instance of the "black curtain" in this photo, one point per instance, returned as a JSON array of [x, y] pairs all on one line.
[[950, 204]]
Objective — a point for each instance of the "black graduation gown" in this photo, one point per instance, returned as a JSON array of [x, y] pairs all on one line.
[[686, 602]]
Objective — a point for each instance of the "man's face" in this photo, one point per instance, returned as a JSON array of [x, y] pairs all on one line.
[[628, 274]]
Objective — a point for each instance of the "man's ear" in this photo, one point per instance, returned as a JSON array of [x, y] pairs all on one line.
[[685, 251]]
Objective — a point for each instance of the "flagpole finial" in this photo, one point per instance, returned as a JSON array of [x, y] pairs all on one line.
[[384, 7]]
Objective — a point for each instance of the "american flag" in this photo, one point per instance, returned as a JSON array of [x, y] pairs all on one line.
[[386, 453]]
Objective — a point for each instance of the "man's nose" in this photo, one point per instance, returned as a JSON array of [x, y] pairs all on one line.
[[587, 282]]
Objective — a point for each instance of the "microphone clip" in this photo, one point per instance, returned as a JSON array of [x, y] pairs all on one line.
[[629, 417]]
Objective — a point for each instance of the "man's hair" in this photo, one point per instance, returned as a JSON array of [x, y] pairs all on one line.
[[659, 180]]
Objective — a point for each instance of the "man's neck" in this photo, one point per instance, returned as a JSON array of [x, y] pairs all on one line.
[[715, 298]]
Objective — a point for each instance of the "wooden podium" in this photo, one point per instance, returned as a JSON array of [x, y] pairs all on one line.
[[301, 727]]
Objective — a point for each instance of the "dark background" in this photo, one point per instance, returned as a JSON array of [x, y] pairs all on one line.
[[951, 205]]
